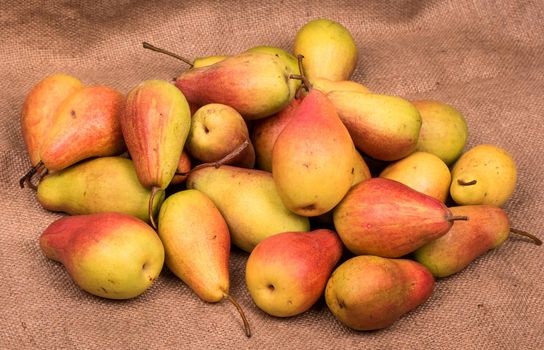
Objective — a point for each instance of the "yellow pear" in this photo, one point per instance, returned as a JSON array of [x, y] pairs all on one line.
[[360, 169], [325, 85]]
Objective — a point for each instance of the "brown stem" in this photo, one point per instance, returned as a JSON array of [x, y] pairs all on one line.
[[154, 191], [26, 179], [469, 183], [457, 217], [534, 238], [233, 301], [169, 53], [235, 153], [301, 76]]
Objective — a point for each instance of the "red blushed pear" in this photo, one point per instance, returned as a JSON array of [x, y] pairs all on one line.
[[110, 255], [386, 218], [182, 171], [313, 158], [286, 273]]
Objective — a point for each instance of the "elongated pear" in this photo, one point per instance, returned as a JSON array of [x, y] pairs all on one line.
[[384, 127], [111, 255], [386, 218], [369, 292], [313, 158], [325, 85], [197, 245], [249, 202], [106, 184], [278, 270]]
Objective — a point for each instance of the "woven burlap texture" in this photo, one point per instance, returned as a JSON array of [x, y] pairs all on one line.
[[483, 57]]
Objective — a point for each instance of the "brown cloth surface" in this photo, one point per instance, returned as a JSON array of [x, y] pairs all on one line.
[[484, 57]]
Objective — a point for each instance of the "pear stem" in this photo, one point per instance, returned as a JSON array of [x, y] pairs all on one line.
[[166, 52], [26, 179], [235, 153], [233, 301], [469, 183], [154, 191], [457, 217], [534, 238], [301, 76]]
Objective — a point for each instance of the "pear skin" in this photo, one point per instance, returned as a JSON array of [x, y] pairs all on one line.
[[361, 172], [110, 255], [485, 174], [182, 172], [106, 184], [40, 108], [249, 202], [326, 86], [423, 172], [443, 131], [386, 218], [278, 268], [207, 61], [328, 48], [155, 125], [384, 127], [368, 292], [256, 84], [487, 228], [86, 125], [313, 159]]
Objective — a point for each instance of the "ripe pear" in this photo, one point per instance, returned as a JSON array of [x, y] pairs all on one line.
[[313, 159], [386, 218], [207, 61], [155, 125], [328, 48], [40, 109], [249, 202], [423, 172], [369, 292], [256, 84], [278, 270], [216, 131], [267, 130], [106, 184], [486, 174], [361, 172], [443, 131], [326, 86], [184, 166], [384, 127], [86, 125], [111, 255], [197, 245]]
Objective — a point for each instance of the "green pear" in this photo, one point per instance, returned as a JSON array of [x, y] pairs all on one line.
[[110, 255], [328, 48], [278, 270], [384, 127], [197, 245], [256, 84], [216, 131], [368, 292], [443, 131], [106, 184], [249, 202], [313, 159], [423, 172], [486, 174]]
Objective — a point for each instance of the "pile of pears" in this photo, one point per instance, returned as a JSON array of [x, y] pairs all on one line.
[[267, 151]]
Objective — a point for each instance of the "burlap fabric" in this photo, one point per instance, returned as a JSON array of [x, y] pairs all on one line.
[[485, 58]]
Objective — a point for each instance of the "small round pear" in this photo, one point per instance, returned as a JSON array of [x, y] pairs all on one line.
[[486, 174]]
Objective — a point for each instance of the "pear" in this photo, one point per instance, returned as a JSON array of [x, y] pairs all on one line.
[[110, 255], [278, 270], [422, 171], [313, 159], [256, 84], [328, 48], [361, 172], [443, 131], [106, 184], [40, 108], [197, 62], [216, 131], [197, 245], [369, 292], [384, 127], [155, 125], [386, 218], [486, 174], [249, 202], [207, 61], [267, 130], [184, 166], [487, 229], [325, 86]]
